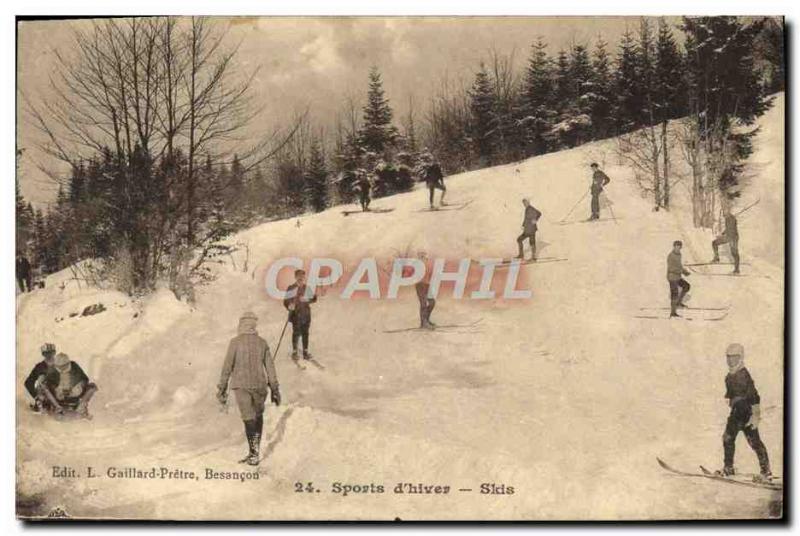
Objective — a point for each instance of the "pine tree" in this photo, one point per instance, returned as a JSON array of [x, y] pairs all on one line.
[[669, 94], [627, 107], [603, 103], [482, 116], [317, 178], [377, 132], [564, 89], [537, 99]]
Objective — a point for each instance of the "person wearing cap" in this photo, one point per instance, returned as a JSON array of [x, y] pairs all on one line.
[[745, 415], [249, 371], [364, 187], [599, 181], [678, 286], [67, 387], [35, 380], [298, 303], [529, 226]]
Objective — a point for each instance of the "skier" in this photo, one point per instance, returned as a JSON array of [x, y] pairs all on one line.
[[248, 370], [364, 186], [426, 304], [67, 387], [24, 274], [745, 414], [299, 307], [729, 236], [529, 222], [599, 181], [35, 380], [678, 286], [434, 178]]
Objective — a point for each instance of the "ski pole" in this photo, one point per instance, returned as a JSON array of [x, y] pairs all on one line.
[[611, 210], [575, 205], [278, 347], [748, 207]]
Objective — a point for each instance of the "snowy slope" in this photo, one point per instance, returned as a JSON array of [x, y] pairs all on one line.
[[565, 397]]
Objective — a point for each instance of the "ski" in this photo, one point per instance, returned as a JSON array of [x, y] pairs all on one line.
[[713, 263], [438, 327], [687, 308], [719, 478], [751, 478], [729, 274], [298, 363], [368, 211], [454, 206], [681, 317], [585, 221], [541, 260]]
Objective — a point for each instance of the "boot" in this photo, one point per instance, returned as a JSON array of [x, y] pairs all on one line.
[[246, 459], [255, 447], [728, 470], [764, 478], [715, 259], [307, 355], [294, 354]]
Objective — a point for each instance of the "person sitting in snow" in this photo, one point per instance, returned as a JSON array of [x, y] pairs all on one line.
[[745, 415], [35, 380], [67, 388], [248, 370]]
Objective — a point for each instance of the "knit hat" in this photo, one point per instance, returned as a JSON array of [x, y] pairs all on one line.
[[248, 314], [735, 349], [62, 360], [48, 348]]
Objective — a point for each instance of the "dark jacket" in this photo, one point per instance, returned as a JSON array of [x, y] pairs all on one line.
[[675, 268], [41, 369], [741, 391], [433, 174], [248, 364], [531, 218], [302, 308], [23, 267], [53, 379], [599, 180]]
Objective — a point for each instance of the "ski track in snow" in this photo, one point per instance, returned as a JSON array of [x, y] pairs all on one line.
[[566, 397]]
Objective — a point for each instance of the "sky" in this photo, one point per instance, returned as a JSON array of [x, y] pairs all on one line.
[[317, 63]]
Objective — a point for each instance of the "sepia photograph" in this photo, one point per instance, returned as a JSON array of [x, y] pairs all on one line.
[[400, 268]]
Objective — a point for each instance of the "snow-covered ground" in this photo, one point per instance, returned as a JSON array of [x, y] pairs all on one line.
[[567, 397]]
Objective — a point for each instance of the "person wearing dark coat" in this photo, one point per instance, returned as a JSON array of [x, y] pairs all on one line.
[[529, 227], [35, 380], [745, 415], [24, 273], [67, 387], [364, 186], [434, 179], [678, 286], [599, 181], [729, 236], [299, 306], [249, 371]]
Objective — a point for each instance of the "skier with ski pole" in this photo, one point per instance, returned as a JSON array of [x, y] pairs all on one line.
[[745, 415], [599, 181], [249, 371], [298, 303]]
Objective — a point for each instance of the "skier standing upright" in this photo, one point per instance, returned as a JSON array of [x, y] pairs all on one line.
[[745, 415], [299, 307], [599, 181], [729, 236], [434, 178], [248, 370], [364, 186], [24, 273], [529, 227], [678, 286]]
